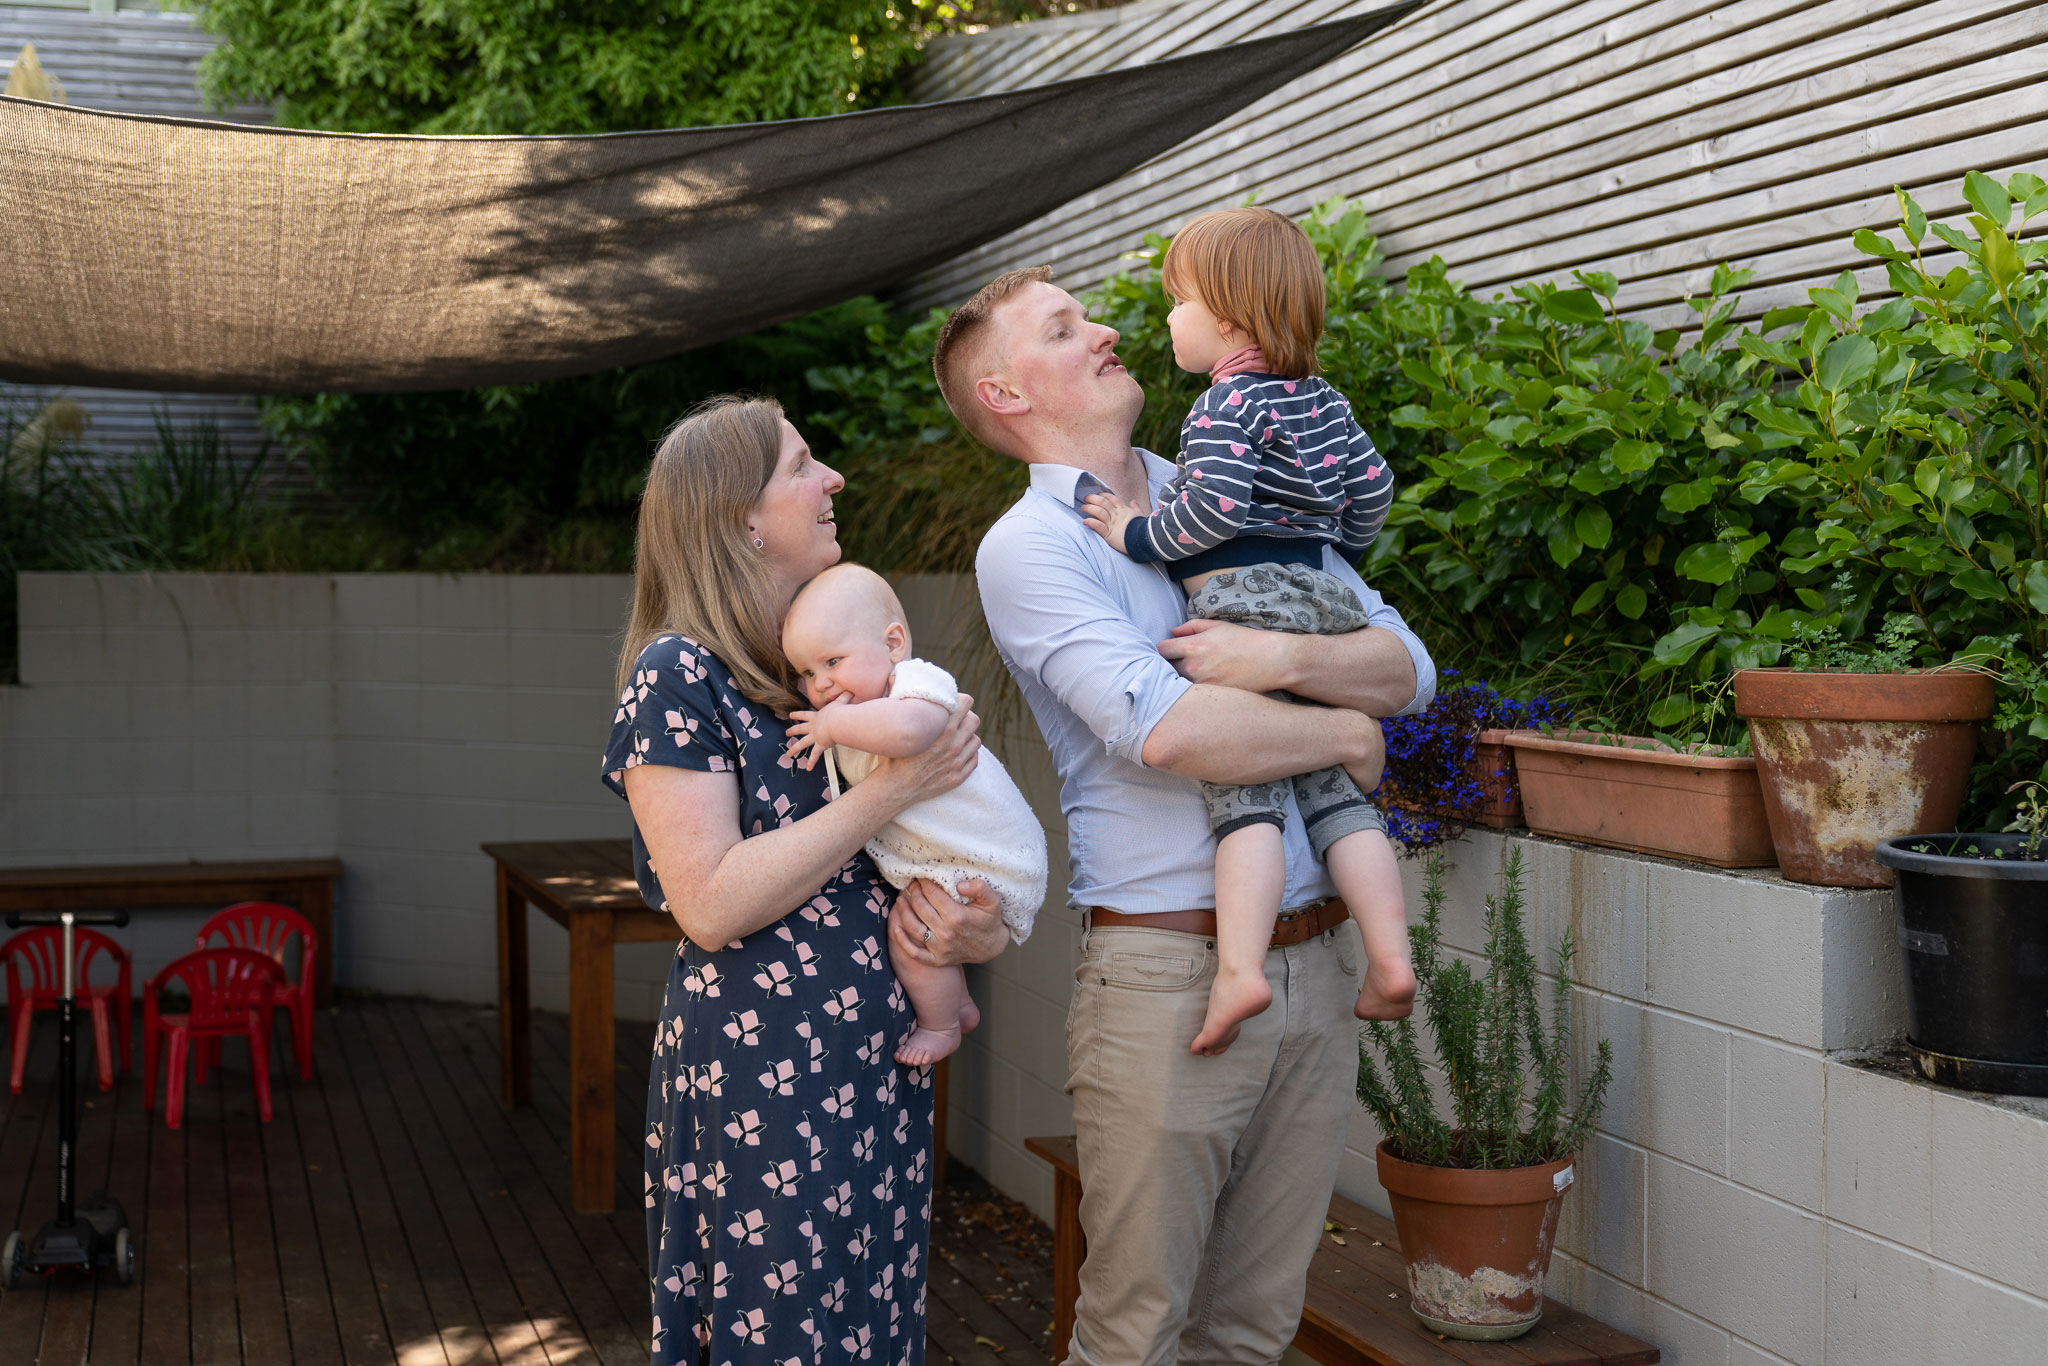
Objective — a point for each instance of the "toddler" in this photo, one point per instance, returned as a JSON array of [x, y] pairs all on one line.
[[1273, 467], [845, 635]]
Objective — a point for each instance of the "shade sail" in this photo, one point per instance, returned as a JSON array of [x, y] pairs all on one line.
[[187, 254]]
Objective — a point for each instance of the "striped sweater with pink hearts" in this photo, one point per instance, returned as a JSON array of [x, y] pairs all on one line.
[[1269, 457]]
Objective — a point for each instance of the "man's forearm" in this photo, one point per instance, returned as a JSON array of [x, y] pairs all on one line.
[[1369, 670], [1222, 735]]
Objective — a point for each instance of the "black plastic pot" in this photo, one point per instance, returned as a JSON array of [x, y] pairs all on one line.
[[1974, 931]]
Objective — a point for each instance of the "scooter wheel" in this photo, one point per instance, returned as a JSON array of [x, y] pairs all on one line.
[[124, 1257], [13, 1260]]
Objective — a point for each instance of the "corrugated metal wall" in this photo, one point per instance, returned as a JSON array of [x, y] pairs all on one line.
[[1520, 139], [136, 62]]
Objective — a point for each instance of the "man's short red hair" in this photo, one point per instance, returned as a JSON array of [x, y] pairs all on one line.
[[962, 351]]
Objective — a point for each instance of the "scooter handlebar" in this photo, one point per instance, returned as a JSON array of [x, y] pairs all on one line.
[[17, 919]]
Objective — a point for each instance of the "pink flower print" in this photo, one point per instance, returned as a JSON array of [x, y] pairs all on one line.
[[720, 764], [834, 1298], [646, 1190], [745, 1028], [864, 1144], [679, 727], [868, 954], [1237, 448], [817, 1245], [914, 1173], [840, 1103], [817, 1144], [774, 978], [1288, 386], [885, 1189], [782, 806], [886, 1092], [751, 1326], [1234, 400], [870, 1048], [903, 1126], [844, 1005], [641, 745], [884, 1283], [840, 1199], [675, 1180], [711, 1078], [861, 1242], [782, 1278], [781, 1178], [780, 1077], [761, 793], [745, 1127], [1203, 421], [858, 1342], [748, 1225], [1227, 504], [807, 960], [902, 1226], [721, 1277]]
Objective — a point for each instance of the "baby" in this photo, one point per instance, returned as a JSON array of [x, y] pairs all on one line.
[[1273, 468], [845, 635]]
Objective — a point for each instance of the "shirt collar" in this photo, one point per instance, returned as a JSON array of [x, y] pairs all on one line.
[[1069, 484]]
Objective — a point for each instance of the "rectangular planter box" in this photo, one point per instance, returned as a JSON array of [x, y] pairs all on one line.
[[1493, 768], [1641, 795]]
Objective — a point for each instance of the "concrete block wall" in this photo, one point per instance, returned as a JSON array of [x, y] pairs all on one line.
[[1765, 1184]]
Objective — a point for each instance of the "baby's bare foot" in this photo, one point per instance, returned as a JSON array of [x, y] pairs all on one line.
[[1233, 999], [1389, 992], [970, 1017], [926, 1046]]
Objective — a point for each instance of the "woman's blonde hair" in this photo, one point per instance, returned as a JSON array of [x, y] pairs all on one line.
[[1256, 270], [695, 569]]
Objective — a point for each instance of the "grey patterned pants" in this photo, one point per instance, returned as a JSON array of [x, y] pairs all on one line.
[[1294, 598]]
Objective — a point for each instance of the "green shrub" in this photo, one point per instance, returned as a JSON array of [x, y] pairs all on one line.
[[1506, 1071]]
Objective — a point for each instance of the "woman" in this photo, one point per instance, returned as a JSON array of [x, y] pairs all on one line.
[[788, 1156]]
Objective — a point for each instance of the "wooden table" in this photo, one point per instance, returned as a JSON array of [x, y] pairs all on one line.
[[306, 884], [588, 888]]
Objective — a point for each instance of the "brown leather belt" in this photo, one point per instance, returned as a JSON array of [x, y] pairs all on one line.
[[1289, 929]]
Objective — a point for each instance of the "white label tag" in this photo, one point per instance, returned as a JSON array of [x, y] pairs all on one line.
[[1560, 1181]]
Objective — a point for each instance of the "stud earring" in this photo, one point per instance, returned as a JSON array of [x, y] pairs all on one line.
[[760, 544]]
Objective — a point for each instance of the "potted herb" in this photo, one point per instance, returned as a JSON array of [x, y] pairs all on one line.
[[1973, 926], [1854, 744], [1476, 1196], [1680, 796], [1450, 766]]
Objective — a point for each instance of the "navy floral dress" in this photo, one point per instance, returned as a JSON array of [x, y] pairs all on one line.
[[788, 1156]]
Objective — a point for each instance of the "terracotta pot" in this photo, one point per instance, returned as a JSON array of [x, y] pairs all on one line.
[[1851, 759], [1492, 766], [1642, 795], [1477, 1243]]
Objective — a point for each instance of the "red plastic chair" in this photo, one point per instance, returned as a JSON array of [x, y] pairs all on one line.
[[267, 928], [233, 991], [41, 951]]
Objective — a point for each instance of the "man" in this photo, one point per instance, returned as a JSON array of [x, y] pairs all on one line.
[[1205, 1179]]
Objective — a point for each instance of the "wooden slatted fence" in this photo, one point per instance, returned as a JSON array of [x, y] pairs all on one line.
[[1523, 139]]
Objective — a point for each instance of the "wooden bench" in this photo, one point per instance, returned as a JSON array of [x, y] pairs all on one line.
[[1357, 1309]]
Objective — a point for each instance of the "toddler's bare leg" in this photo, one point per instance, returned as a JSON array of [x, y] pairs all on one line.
[[1251, 876], [1362, 865], [944, 1012]]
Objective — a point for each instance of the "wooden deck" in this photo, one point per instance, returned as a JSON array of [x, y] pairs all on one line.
[[394, 1213]]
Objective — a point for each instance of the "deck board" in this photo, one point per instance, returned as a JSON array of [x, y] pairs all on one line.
[[394, 1211]]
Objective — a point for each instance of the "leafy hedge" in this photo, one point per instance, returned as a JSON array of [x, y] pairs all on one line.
[[1618, 517]]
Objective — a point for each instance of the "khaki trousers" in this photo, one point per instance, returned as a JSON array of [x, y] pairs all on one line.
[[1205, 1181]]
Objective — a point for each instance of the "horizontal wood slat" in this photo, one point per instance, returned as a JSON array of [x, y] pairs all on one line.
[[1522, 139]]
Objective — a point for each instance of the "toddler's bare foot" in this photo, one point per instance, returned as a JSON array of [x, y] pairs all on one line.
[[926, 1046], [1389, 992], [970, 1017], [1233, 999]]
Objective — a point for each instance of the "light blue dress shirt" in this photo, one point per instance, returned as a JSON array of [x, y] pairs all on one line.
[[1078, 626]]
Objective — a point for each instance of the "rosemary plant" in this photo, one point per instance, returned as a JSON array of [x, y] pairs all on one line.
[[1506, 1073]]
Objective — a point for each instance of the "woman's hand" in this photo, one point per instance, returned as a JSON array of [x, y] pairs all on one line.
[[932, 928], [943, 766]]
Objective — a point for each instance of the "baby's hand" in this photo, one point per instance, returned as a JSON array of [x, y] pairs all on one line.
[[1107, 518], [810, 735]]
